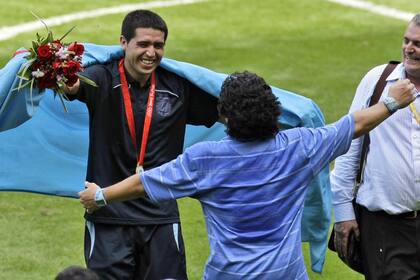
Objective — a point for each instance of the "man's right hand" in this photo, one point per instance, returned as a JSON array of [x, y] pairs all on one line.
[[342, 234], [73, 89], [403, 92]]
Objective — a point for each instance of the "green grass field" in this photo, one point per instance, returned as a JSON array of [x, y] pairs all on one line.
[[312, 47]]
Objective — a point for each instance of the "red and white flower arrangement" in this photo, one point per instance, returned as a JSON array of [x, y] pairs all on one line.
[[51, 64]]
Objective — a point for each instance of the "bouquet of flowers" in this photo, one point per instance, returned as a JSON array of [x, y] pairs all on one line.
[[52, 64]]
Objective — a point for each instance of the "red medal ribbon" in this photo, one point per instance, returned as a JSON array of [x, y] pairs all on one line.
[[130, 115]]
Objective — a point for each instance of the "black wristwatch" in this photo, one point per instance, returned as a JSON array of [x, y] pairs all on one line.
[[391, 104]]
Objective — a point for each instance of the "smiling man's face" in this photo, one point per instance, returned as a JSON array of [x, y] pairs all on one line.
[[411, 51], [143, 52]]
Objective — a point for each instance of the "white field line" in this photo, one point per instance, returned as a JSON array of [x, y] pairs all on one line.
[[8, 32], [376, 9]]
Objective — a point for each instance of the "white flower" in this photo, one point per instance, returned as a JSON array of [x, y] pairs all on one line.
[[38, 74], [62, 53]]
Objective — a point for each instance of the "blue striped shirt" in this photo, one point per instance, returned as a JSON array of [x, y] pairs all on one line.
[[252, 195]]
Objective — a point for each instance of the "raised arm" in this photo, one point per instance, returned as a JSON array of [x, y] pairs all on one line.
[[367, 119]]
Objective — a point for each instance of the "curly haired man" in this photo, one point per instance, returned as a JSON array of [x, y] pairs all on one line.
[[251, 184]]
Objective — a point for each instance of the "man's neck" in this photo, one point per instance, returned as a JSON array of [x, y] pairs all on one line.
[[143, 79], [140, 78], [415, 80]]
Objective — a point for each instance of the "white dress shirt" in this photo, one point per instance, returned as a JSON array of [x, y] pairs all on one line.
[[391, 179]]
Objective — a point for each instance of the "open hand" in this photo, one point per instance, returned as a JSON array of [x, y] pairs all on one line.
[[342, 234]]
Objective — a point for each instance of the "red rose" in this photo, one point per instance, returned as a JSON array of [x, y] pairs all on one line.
[[78, 49], [48, 81], [44, 52], [71, 68], [56, 65]]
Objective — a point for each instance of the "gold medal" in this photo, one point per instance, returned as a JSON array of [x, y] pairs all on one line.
[[139, 169]]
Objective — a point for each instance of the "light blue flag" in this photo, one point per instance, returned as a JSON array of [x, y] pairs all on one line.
[[44, 150]]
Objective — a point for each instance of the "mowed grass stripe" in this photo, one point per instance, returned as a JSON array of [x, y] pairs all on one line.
[[376, 9], [12, 31]]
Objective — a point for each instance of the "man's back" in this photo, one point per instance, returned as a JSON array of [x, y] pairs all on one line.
[[253, 216], [252, 194]]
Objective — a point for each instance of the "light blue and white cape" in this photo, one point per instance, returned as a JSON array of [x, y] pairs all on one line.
[[44, 150]]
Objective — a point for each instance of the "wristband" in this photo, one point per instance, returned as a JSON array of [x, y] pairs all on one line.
[[99, 198], [391, 104]]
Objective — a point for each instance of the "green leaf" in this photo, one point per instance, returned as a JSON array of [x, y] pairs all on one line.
[[30, 94], [21, 79], [50, 37], [87, 80], [41, 38], [33, 55], [25, 68], [23, 86], [35, 45], [25, 76], [31, 60], [40, 19], [67, 33], [20, 73], [46, 40]]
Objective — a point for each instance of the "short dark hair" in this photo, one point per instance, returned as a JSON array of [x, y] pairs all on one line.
[[77, 273], [416, 19], [142, 19], [250, 106]]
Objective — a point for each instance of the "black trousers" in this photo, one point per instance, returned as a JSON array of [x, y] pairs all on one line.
[[390, 246], [152, 252]]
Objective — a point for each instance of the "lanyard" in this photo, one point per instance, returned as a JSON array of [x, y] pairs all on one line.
[[415, 113], [130, 115]]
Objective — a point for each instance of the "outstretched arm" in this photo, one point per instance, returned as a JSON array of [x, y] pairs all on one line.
[[129, 188]]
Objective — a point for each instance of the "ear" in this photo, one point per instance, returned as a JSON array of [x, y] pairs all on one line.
[[123, 42], [223, 120]]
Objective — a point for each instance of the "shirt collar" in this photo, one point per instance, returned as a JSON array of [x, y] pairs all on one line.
[[397, 74]]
